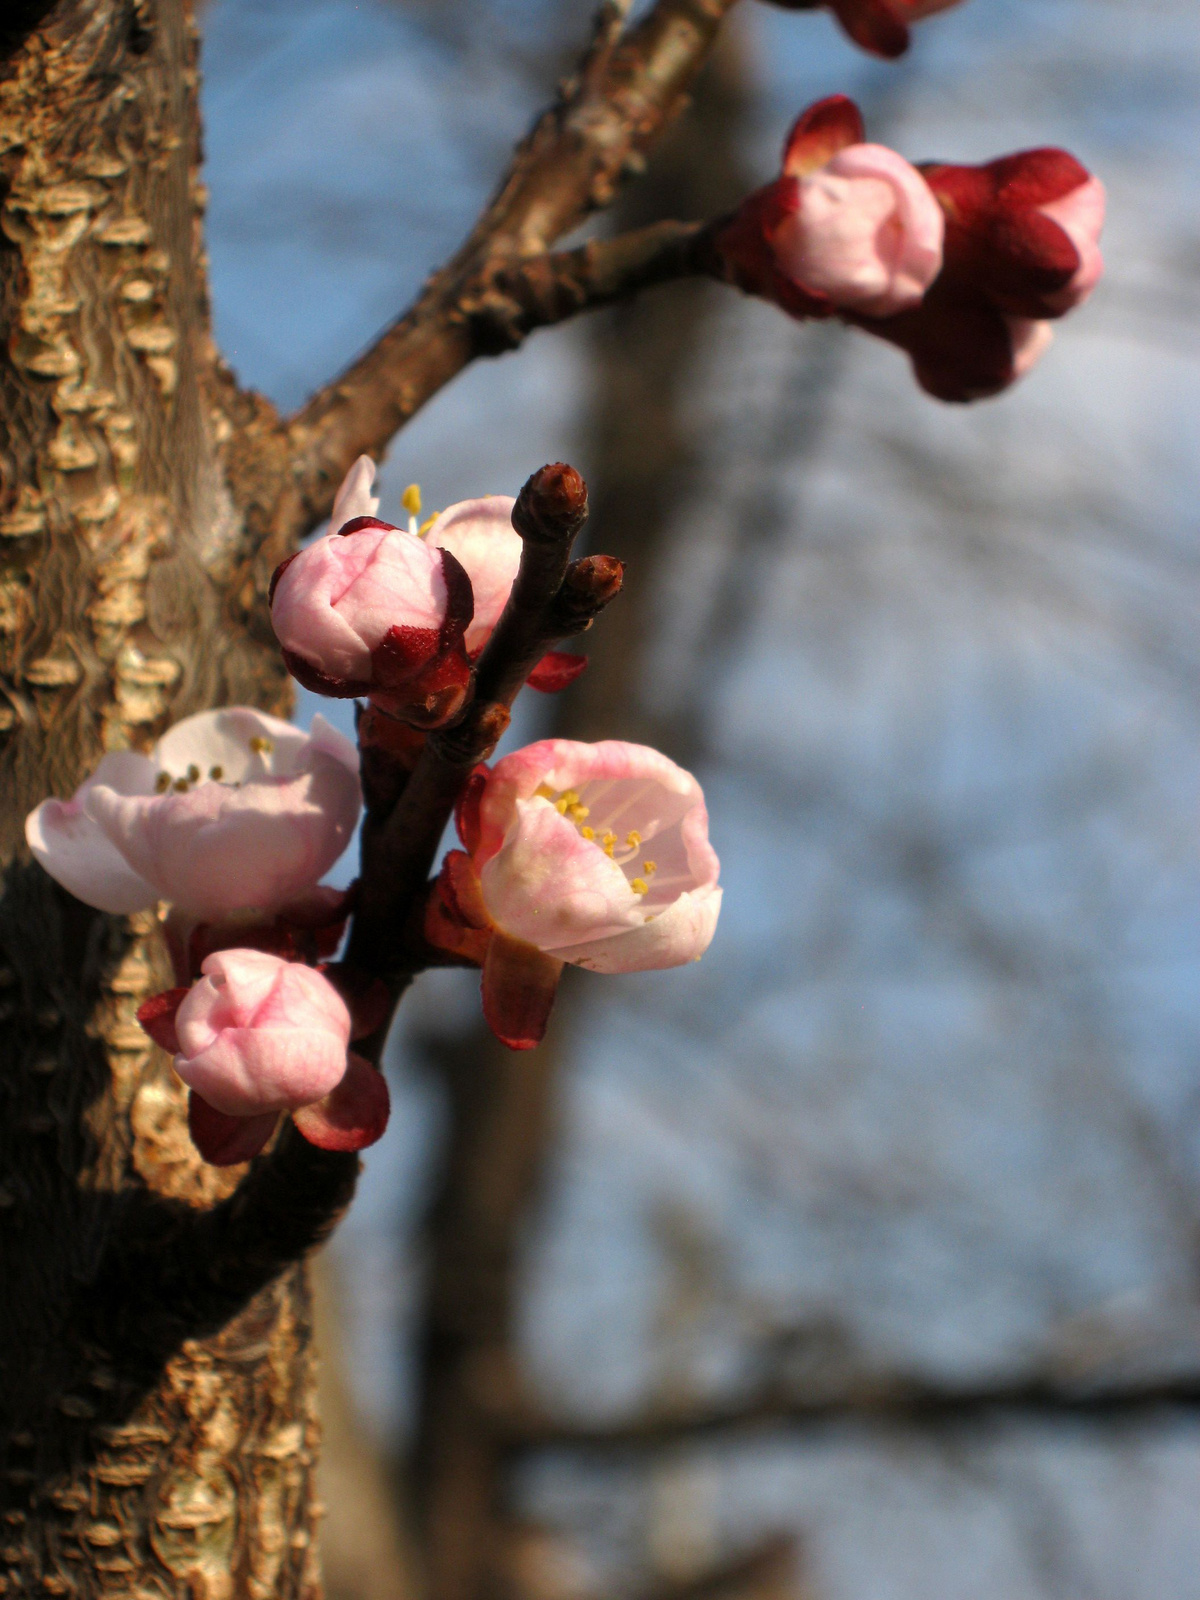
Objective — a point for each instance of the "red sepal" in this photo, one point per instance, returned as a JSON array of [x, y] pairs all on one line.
[[350, 1117], [466, 809], [363, 525], [157, 1017], [456, 918], [555, 671], [309, 929], [278, 573], [874, 25], [320, 682], [819, 133], [519, 985], [226, 1141]]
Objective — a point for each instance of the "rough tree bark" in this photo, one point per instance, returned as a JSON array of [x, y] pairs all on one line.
[[157, 1419]]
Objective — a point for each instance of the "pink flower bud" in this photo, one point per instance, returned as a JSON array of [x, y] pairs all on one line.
[[232, 811], [1023, 231], [375, 611], [849, 226], [259, 1034]]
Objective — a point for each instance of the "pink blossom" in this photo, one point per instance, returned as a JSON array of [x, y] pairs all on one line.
[[480, 535], [848, 226], [231, 811], [256, 1036], [598, 854], [375, 611], [259, 1034]]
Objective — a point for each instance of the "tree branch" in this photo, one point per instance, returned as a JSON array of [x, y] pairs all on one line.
[[627, 91], [893, 1402]]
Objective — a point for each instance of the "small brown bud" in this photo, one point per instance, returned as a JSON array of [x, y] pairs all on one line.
[[586, 589], [552, 507]]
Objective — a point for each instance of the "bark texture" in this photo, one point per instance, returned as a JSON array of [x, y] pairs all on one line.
[[178, 1466]]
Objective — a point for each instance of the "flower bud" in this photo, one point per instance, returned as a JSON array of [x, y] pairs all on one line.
[[848, 226], [878, 26], [373, 611]]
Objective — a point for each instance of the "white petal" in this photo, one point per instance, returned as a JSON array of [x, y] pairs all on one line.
[[222, 739], [75, 851], [681, 933], [354, 497]]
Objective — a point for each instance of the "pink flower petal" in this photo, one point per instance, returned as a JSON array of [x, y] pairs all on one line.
[[479, 534]]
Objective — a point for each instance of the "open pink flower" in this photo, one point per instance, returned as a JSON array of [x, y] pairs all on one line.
[[593, 854], [256, 1036], [232, 811], [849, 226]]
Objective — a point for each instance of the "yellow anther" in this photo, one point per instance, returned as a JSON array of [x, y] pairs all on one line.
[[411, 499], [578, 813], [162, 783], [561, 807], [428, 523], [216, 773], [609, 840], [261, 746], [608, 850], [180, 786], [571, 796], [649, 868], [544, 792], [588, 833], [633, 838], [193, 773], [640, 886]]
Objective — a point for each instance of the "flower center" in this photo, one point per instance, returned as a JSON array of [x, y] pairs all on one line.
[[569, 804], [166, 782]]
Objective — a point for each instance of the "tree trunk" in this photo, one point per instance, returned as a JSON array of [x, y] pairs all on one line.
[[154, 1442]]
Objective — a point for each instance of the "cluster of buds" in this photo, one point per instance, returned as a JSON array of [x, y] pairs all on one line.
[[962, 267], [591, 854]]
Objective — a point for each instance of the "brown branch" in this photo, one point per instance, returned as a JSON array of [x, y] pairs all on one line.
[[894, 1402], [628, 90], [548, 600]]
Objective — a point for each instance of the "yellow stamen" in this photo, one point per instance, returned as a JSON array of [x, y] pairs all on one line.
[[162, 783], [608, 850], [216, 773], [640, 886], [571, 796], [261, 746], [193, 773], [633, 839], [649, 868], [578, 813], [180, 786], [411, 499], [609, 840], [588, 833], [427, 524], [561, 807], [543, 792]]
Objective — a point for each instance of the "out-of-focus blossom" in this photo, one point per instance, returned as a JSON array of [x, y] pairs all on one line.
[[879, 26], [373, 611], [1022, 231], [848, 226], [1022, 248], [232, 811], [256, 1036], [593, 854]]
